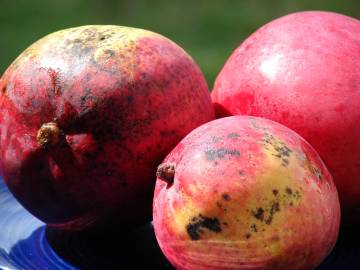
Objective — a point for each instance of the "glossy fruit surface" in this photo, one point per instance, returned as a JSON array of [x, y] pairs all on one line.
[[86, 115], [303, 70], [245, 193]]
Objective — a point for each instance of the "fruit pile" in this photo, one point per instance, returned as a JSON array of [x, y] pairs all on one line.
[[113, 126]]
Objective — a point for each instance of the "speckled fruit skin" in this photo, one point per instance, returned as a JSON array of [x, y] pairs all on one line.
[[303, 70], [122, 99], [248, 193]]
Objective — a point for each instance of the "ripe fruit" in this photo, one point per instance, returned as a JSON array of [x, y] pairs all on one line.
[[86, 115], [245, 193], [303, 70]]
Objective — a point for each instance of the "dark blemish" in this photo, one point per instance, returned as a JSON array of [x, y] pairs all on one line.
[[247, 236], [110, 53], [144, 75], [316, 172], [288, 190], [220, 153], [318, 175], [291, 195], [77, 40], [130, 99], [241, 173], [258, 214], [233, 152], [225, 224], [233, 135], [3, 89], [194, 228], [216, 163], [284, 162], [215, 139], [226, 197], [218, 204], [283, 152], [87, 96], [275, 192], [254, 228], [275, 207]]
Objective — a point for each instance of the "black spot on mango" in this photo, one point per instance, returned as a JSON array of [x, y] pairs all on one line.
[[214, 154], [259, 213], [197, 224], [226, 197]]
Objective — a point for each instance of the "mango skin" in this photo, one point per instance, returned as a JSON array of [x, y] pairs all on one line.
[[123, 97], [248, 193], [303, 71]]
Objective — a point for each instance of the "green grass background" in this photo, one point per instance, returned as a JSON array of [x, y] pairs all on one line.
[[209, 30]]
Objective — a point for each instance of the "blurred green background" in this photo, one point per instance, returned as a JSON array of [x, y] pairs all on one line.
[[208, 30]]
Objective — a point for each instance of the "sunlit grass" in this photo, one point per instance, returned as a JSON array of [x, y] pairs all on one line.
[[208, 29]]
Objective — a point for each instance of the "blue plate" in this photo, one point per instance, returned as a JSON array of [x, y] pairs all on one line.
[[27, 244]]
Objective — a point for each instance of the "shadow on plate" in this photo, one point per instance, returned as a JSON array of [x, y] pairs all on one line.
[[132, 249], [104, 249]]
